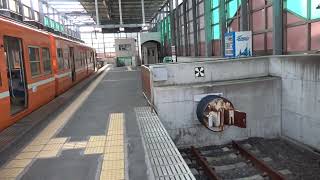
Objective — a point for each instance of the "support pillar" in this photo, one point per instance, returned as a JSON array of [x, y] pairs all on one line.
[[186, 44], [21, 11], [195, 28], [5, 4], [244, 23], [120, 12], [32, 10], [277, 29], [41, 13], [207, 23], [223, 27], [143, 13], [104, 46], [178, 30], [173, 32], [97, 12]]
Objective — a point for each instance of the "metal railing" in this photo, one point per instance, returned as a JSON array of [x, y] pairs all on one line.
[[146, 81]]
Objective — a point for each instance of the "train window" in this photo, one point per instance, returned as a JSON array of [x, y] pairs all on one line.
[[60, 58], [86, 58], [34, 57], [46, 60], [82, 58], [66, 59]]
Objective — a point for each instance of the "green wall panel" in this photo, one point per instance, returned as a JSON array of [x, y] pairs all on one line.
[[215, 19], [46, 22], [299, 7], [232, 8], [215, 16], [306, 9], [216, 31], [214, 3]]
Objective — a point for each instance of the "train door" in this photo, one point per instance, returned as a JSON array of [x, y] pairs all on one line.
[[16, 74], [73, 66], [87, 62], [93, 60]]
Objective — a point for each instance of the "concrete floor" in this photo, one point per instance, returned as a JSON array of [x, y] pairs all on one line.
[[119, 91]]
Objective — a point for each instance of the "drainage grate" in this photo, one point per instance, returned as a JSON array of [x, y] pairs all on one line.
[[163, 156]]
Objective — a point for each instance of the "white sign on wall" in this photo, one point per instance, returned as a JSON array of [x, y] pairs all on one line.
[[238, 44], [199, 71], [159, 73]]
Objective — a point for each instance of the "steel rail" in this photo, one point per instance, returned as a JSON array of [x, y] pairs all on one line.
[[273, 174], [210, 172]]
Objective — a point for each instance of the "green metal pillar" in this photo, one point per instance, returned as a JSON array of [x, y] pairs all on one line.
[[177, 27], [186, 44], [244, 25], [173, 32], [195, 28], [207, 16], [223, 27], [277, 32]]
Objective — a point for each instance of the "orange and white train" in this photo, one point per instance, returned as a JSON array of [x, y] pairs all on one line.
[[35, 67]]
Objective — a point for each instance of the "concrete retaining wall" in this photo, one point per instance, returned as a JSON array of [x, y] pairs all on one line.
[[193, 59], [259, 98], [300, 97], [287, 105], [183, 73]]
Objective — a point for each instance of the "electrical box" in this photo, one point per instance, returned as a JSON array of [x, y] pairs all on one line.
[[159, 73]]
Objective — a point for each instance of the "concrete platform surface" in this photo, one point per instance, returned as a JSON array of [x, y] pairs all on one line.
[[94, 135]]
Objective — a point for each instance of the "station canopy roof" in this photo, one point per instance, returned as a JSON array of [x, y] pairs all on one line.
[[83, 12]]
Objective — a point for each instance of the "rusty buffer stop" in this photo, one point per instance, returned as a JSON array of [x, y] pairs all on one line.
[[215, 112]]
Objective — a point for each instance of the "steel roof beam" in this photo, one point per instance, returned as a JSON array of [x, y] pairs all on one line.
[[119, 25], [97, 12], [120, 12]]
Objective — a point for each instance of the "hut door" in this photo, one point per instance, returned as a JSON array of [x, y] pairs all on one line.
[[152, 55]]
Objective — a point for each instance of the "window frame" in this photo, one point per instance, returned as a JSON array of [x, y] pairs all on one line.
[[304, 22], [43, 60], [39, 61], [66, 58], [213, 25], [60, 66]]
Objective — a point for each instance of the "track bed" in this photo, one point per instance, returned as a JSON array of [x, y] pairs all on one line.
[[251, 159]]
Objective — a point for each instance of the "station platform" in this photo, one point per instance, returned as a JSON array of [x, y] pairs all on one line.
[[100, 129]]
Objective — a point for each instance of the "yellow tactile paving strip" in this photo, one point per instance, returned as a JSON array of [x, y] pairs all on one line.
[[111, 146], [113, 165]]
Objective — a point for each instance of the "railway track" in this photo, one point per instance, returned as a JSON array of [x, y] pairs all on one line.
[[236, 160]]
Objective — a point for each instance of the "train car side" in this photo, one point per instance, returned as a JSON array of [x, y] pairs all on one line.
[[35, 67], [27, 76], [73, 62], [63, 55], [82, 62]]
